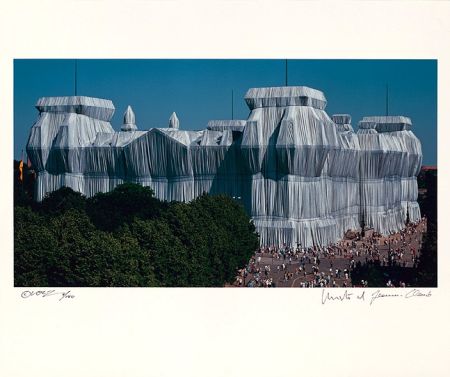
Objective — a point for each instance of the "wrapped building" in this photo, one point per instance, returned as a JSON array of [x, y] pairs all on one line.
[[303, 176]]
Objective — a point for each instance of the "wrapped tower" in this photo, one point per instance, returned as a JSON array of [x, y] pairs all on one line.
[[391, 158]]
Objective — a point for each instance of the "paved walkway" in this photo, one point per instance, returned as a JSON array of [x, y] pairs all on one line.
[[296, 268]]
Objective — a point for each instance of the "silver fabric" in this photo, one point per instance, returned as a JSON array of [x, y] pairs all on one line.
[[129, 120], [302, 176], [386, 123], [173, 121], [222, 125], [102, 109]]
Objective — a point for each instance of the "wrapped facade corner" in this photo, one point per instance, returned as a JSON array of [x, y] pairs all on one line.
[[302, 176]]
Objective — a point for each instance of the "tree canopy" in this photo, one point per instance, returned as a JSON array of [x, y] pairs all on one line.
[[127, 237]]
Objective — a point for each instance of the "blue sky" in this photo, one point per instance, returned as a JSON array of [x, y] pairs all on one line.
[[200, 90]]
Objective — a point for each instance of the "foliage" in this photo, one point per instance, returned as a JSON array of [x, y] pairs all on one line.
[[129, 238], [202, 243], [108, 211], [34, 247], [60, 201], [427, 267]]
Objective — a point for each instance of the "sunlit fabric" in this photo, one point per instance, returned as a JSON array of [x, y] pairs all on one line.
[[129, 120], [304, 178], [173, 121]]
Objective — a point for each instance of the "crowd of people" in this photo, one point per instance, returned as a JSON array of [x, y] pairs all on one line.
[[332, 265]]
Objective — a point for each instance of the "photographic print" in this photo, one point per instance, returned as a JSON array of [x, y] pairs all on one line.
[[225, 173]]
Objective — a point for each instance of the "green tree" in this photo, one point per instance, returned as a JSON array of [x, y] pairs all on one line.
[[129, 238], [34, 248], [76, 264], [91, 257], [167, 254], [133, 264], [230, 234], [108, 211], [62, 200]]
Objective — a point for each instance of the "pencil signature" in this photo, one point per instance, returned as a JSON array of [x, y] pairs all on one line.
[[46, 293], [372, 297]]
